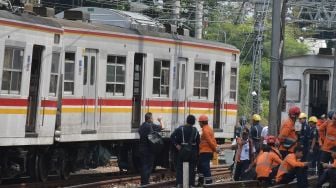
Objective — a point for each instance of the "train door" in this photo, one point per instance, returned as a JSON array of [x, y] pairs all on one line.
[[34, 86], [181, 87], [318, 94], [219, 73], [137, 89], [90, 91]]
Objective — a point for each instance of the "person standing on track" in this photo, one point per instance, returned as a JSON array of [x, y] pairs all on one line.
[[304, 135], [313, 144], [147, 155], [327, 132], [287, 137], [256, 130], [208, 146], [180, 138]]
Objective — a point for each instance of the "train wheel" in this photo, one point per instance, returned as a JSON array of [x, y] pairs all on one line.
[[42, 167]]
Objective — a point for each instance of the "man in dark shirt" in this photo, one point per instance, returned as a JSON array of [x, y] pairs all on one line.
[[256, 130], [147, 156], [182, 136]]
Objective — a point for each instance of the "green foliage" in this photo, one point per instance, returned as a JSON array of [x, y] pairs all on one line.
[[242, 37]]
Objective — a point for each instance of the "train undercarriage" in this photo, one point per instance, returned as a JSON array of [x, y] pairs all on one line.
[[38, 162]]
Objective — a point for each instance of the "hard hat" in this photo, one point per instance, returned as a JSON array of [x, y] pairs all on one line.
[[256, 117], [302, 115], [270, 139], [294, 111], [312, 119], [203, 118], [330, 114]]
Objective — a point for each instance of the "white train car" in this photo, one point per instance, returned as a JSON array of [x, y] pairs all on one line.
[[72, 93], [308, 80]]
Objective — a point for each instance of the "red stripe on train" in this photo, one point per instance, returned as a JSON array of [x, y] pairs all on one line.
[[48, 103], [13, 102]]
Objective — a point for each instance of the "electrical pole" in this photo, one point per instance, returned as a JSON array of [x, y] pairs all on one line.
[[275, 67], [333, 91], [199, 19], [176, 11]]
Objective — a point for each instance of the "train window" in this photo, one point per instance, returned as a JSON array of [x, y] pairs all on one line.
[[54, 73], [201, 80], [12, 70], [161, 78], [233, 84], [115, 75], [293, 90], [93, 70], [85, 70], [69, 73]]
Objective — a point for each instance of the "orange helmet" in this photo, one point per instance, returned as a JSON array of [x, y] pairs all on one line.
[[294, 111], [203, 118], [271, 139]]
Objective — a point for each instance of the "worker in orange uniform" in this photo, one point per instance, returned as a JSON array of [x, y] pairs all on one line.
[[291, 168], [329, 174], [327, 132], [266, 163], [323, 118], [287, 137], [207, 147]]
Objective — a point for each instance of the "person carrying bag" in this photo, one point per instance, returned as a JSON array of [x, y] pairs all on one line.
[[186, 151]]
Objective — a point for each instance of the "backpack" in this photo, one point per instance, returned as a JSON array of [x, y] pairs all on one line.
[[155, 141], [186, 152]]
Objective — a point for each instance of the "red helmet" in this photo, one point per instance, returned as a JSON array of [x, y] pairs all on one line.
[[203, 118], [271, 139], [294, 111]]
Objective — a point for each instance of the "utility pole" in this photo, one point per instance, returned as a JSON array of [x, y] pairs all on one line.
[[199, 19], [333, 91], [275, 67], [176, 11]]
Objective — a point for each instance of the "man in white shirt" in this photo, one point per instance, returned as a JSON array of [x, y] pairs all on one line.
[[264, 134]]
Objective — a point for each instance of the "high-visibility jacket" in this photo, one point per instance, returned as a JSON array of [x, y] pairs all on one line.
[[208, 142], [289, 163], [287, 132], [318, 125], [327, 133], [264, 163]]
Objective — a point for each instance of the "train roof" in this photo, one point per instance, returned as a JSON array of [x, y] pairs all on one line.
[[62, 23]]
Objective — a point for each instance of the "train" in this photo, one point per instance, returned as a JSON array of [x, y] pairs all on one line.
[[308, 80], [74, 93]]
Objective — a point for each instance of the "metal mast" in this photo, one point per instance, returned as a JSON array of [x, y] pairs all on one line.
[[254, 94]]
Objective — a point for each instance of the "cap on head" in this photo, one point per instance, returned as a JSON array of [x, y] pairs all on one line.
[[203, 118], [323, 116], [294, 111], [312, 119], [330, 114], [256, 117], [302, 115]]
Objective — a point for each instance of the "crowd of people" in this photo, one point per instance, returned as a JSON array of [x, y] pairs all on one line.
[[271, 159]]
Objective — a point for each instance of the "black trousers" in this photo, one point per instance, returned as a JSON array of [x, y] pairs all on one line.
[[329, 175], [179, 171], [147, 162], [299, 173], [325, 158], [240, 169]]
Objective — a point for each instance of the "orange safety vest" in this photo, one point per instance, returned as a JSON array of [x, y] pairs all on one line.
[[327, 133], [289, 163], [208, 142], [264, 163], [287, 132]]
